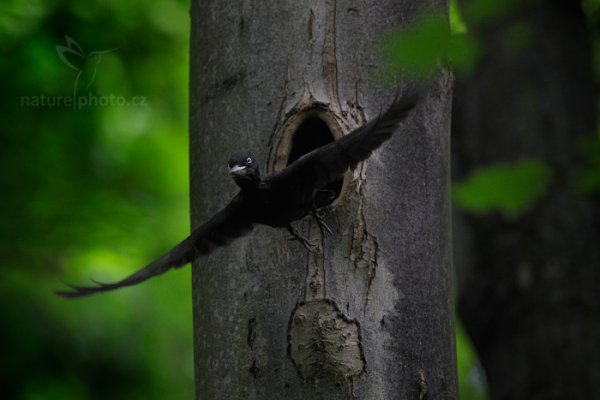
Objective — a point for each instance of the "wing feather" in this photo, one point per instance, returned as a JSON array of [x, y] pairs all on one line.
[[224, 227], [329, 162]]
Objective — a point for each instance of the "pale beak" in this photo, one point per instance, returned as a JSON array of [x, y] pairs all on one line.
[[237, 170]]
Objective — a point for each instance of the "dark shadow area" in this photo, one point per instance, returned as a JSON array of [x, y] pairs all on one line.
[[312, 134]]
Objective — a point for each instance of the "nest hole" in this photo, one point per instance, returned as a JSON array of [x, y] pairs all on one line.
[[312, 134]]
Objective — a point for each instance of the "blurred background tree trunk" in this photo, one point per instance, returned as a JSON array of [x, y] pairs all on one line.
[[266, 312], [529, 294]]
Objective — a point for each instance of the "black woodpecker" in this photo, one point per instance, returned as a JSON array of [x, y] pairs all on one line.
[[276, 199]]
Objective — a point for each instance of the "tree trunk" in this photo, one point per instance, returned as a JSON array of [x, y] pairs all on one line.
[[369, 315], [528, 286]]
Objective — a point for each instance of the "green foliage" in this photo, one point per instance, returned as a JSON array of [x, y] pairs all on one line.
[[434, 38], [510, 189], [457, 24], [471, 383], [420, 48], [93, 191]]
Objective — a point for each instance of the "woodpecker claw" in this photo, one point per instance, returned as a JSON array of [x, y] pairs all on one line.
[[319, 214]]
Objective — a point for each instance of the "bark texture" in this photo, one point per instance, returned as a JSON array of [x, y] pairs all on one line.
[[528, 287], [370, 315]]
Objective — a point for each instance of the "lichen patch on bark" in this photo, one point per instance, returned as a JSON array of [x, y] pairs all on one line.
[[323, 342]]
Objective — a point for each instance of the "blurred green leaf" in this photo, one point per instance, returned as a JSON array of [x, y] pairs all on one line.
[[457, 24], [420, 48], [510, 189], [472, 384], [433, 38]]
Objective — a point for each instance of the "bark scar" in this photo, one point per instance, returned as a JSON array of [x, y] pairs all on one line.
[[226, 85], [315, 266], [329, 57], [280, 111], [365, 246], [422, 386], [251, 332], [323, 342], [311, 25]]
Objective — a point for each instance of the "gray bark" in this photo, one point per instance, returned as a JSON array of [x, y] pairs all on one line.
[[370, 315], [528, 287]]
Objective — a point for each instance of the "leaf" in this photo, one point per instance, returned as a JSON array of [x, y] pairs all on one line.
[[419, 48], [510, 189], [457, 23]]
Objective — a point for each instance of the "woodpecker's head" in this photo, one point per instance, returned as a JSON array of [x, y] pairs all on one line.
[[243, 168]]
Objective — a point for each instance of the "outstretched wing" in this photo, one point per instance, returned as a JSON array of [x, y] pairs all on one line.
[[325, 164], [220, 230]]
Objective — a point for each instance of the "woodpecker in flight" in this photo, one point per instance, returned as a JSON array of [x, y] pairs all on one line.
[[276, 199]]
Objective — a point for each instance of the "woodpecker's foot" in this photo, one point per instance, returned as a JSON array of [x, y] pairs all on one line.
[[296, 236], [318, 215]]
